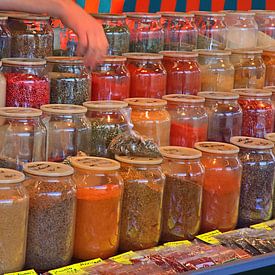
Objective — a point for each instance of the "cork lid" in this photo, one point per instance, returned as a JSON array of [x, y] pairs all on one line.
[[205, 13], [30, 16], [218, 95], [65, 59], [270, 51], [19, 112], [144, 15], [23, 61], [270, 88], [113, 58], [149, 102], [247, 51], [253, 92], [216, 147], [63, 109], [111, 16], [213, 52], [177, 152], [142, 56], [10, 176], [176, 14], [105, 104], [241, 13], [184, 98], [138, 160], [48, 169], [178, 54], [270, 136], [251, 143]]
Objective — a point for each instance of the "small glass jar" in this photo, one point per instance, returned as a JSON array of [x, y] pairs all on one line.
[[70, 80], [182, 200], [14, 208], [257, 187], [5, 38], [108, 120], [221, 189], [111, 79], [146, 33], [189, 121], [68, 130], [249, 68], [224, 115], [3, 85], [269, 60], [142, 202], [27, 82], [116, 31], [183, 72], [151, 119], [51, 223], [148, 75], [99, 196], [217, 71]]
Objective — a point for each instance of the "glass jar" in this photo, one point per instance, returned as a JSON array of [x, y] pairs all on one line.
[[189, 121], [217, 71], [182, 200], [142, 202], [221, 189], [249, 68], [27, 82], [146, 33], [111, 79], [31, 36], [108, 120], [257, 185], [99, 196], [116, 31], [3, 85], [211, 30], [14, 207], [269, 60], [151, 119], [5, 38], [148, 75], [72, 43], [70, 80], [183, 72], [272, 90], [224, 115], [52, 210]]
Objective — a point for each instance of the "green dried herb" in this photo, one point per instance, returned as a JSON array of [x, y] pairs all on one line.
[[209, 43], [149, 45]]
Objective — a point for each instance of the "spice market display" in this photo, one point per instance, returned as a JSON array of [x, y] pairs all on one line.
[[158, 160]]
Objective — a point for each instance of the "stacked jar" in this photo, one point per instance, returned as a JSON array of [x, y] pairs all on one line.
[[269, 60], [5, 38], [272, 90], [3, 85]]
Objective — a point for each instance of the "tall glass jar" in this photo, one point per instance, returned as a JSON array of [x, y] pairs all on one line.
[[272, 90], [224, 115], [257, 187], [99, 196], [5, 38], [151, 119], [217, 71], [3, 85], [14, 207], [70, 80], [111, 79], [68, 130], [249, 68], [27, 82], [148, 75], [52, 211], [189, 121], [146, 33], [183, 72], [269, 60], [182, 201], [142, 202], [221, 189]]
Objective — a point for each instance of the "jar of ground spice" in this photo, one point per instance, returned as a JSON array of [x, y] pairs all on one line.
[[221, 189], [269, 60], [14, 208], [68, 130], [142, 202], [257, 187], [99, 196], [183, 189], [5, 38], [51, 215]]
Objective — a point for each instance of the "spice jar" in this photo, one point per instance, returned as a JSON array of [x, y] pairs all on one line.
[[116, 31], [151, 119], [189, 121], [27, 82], [224, 115], [141, 203], [269, 60], [111, 79], [51, 215], [217, 72], [221, 189], [99, 196], [5, 38], [14, 207], [70, 80], [272, 90], [257, 185], [249, 68], [146, 33], [182, 198], [108, 120], [183, 72], [148, 75]]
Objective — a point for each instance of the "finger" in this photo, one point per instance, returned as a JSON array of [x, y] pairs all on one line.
[[82, 45]]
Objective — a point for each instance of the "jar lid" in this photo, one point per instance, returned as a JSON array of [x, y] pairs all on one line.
[[251, 143], [24, 61], [63, 109], [139, 160], [270, 136], [95, 163], [241, 13], [269, 51], [144, 15], [175, 14], [10, 176], [252, 92], [19, 112], [65, 59], [141, 56], [247, 51], [270, 88], [184, 98], [108, 15], [266, 13], [150, 102], [3, 17], [213, 52], [113, 58], [204, 13], [218, 95], [178, 54], [29, 16], [177, 152], [216, 147], [48, 169], [105, 104]]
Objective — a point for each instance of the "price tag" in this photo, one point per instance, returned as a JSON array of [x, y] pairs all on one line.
[[261, 226], [87, 263], [26, 272], [123, 258], [209, 237], [178, 243]]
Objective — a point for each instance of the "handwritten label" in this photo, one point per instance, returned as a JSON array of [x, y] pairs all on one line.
[[26, 272], [124, 258], [261, 226], [178, 243], [209, 237]]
